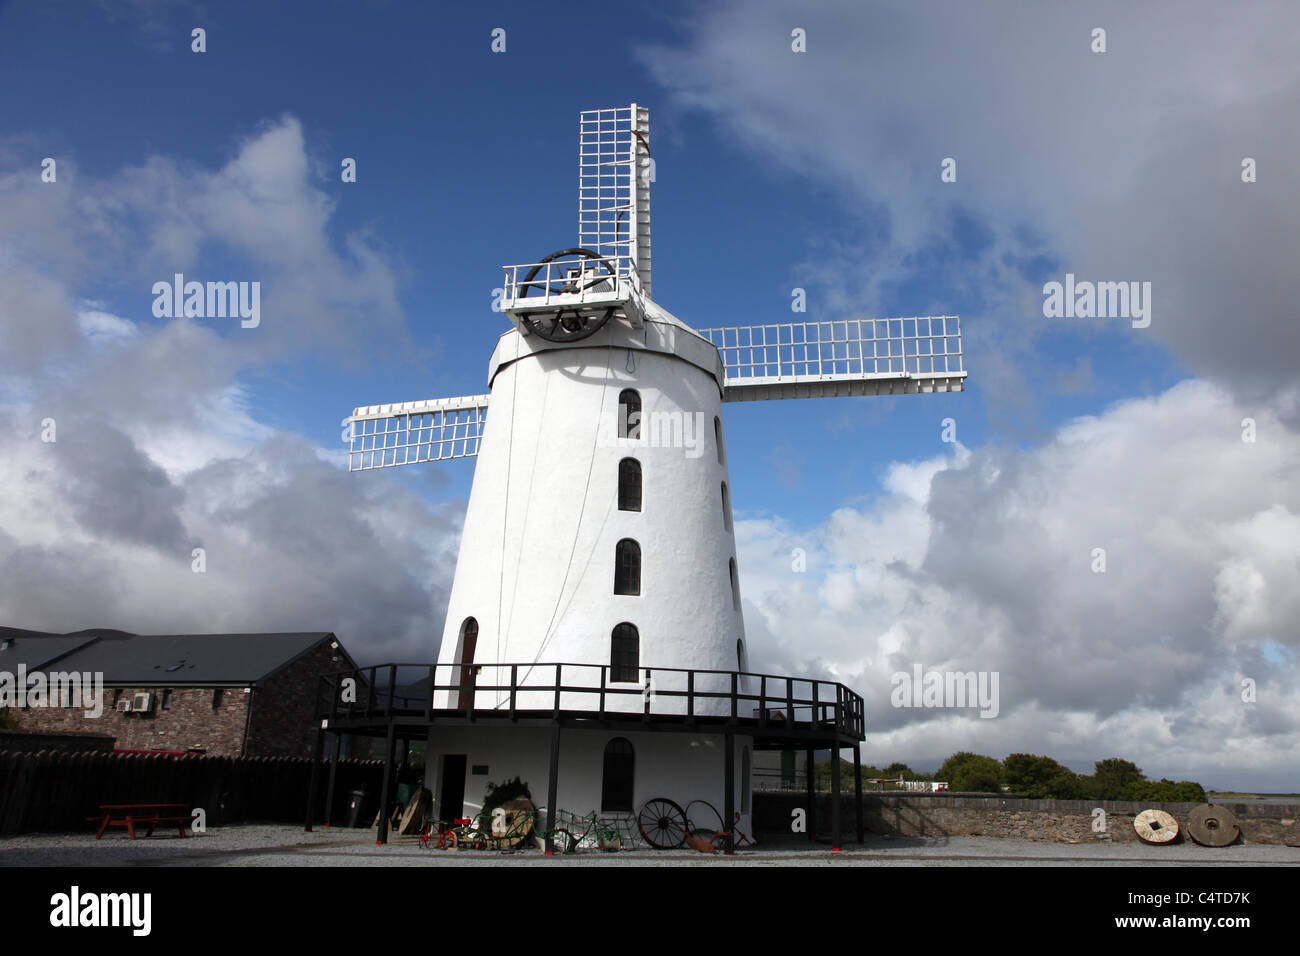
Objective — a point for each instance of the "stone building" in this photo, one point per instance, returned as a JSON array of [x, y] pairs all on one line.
[[223, 694]]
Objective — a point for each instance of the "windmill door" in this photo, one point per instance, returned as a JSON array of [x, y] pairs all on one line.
[[451, 796], [468, 642]]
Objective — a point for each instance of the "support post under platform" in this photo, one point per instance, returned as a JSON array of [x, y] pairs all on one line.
[[553, 790]]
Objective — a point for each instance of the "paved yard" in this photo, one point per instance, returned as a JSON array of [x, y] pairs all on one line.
[[275, 845]]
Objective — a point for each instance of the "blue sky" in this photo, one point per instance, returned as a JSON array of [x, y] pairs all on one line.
[[774, 170], [466, 162]]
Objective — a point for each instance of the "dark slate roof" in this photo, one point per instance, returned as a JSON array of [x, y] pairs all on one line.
[[101, 632], [36, 650], [205, 659]]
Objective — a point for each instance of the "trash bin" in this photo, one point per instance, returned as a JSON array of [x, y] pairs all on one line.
[[356, 799]]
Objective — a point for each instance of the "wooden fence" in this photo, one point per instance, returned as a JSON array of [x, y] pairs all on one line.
[[52, 791]]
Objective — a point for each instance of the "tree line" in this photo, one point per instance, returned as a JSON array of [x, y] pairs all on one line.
[[1033, 775]]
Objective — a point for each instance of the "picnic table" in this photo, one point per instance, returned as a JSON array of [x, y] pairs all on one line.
[[130, 815]]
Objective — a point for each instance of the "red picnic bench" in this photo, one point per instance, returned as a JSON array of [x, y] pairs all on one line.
[[130, 815]]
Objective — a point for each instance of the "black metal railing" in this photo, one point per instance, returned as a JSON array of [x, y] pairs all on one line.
[[483, 691]]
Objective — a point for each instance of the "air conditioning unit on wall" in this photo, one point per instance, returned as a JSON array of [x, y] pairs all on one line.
[[140, 703], [124, 705]]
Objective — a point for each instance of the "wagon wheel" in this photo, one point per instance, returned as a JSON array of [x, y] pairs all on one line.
[[448, 841], [662, 823], [700, 817], [566, 325]]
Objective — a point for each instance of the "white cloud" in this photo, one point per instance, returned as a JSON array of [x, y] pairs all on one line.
[[104, 326], [263, 216], [158, 446], [983, 561]]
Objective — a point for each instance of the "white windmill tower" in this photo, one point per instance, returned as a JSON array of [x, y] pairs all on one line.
[[597, 579]]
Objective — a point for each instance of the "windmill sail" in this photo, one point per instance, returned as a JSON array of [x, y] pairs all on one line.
[[847, 357], [407, 433], [614, 186]]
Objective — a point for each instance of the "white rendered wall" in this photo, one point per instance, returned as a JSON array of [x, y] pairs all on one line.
[[536, 564], [681, 767]]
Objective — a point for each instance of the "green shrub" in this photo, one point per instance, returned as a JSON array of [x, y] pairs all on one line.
[[971, 773], [1029, 775], [1112, 777], [499, 794], [1165, 791]]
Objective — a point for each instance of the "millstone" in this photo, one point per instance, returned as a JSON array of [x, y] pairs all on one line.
[[1209, 825], [1155, 826]]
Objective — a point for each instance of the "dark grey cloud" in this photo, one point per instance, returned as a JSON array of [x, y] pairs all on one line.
[[1123, 165], [115, 490], [157, 451]]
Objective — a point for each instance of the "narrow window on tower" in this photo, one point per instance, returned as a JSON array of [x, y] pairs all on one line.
[[717, 439], [465, 655], [627, 567], [629, 413], [624, 654], [629, 485], [726, 507], [735, 584]]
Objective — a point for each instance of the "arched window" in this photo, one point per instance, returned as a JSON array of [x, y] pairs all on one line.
[[627, 567], [629, 413], [735, 584], [717, 439], [619, 775], [465, 657], [742, 663], [624, 654], [726, 507], [629, 485]]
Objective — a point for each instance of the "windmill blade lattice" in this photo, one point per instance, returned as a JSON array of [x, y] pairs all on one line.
[[614, 186], [408, 433], [847, 357]]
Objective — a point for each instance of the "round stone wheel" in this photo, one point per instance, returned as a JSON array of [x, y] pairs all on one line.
[[1155, 826], [1210, 825]]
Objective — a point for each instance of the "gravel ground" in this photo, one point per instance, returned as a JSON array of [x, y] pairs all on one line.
[[272, 845]]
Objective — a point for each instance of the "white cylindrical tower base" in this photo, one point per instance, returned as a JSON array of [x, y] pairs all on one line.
[[548, 525]]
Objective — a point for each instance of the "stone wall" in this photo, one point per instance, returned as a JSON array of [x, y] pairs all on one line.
[[284, 720], [920, 814], [190, 717], [278, 717]]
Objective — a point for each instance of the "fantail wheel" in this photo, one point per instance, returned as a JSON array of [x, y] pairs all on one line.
[[567, 272]]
